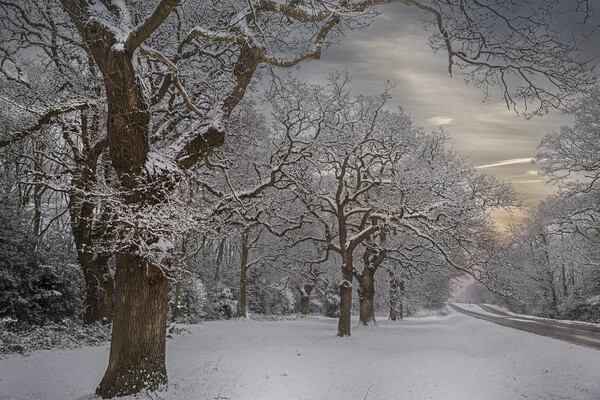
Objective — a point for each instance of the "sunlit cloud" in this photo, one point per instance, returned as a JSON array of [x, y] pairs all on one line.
[[440, 120], [486, 132], [508, 162], [529, 181]]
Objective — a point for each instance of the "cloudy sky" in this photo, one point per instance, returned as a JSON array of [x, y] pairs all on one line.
[[396, 48]]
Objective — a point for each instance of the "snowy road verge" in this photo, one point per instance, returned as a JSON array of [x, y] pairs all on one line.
[[502, 311], [584, 335], [455, 357]]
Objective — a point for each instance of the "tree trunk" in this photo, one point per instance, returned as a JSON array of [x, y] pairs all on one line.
[[397, 311], [393, 314], [176, 306], [137, 348], [554, 295], [176, 312], [99, 285], [401, 299], [243, 275], [345, 299], [99, 282], [305, 299], [366, 295], [396, 296], [37, 207], [372, 259], [219, 260], [305, 305], [243, 307], [137, 354], [564, 281]]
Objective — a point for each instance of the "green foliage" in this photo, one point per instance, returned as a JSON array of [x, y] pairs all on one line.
[[31, 291]]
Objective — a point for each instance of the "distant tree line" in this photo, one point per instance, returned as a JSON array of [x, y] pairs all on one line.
[[549, 264]]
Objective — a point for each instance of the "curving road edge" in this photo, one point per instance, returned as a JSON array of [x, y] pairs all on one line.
[[582, 335]]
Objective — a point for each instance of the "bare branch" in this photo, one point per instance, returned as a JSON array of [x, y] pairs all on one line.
[[44, 120], [142, 32]]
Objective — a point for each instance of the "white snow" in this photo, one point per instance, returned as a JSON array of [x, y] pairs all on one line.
[[345, 283], [522, 320], [452, 357], [119, 46], [162, 245], [120, 27], [157, 163]]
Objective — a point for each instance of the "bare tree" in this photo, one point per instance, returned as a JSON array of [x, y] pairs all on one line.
[[550, 260], [304, 265], [572, 154], [373, 172]]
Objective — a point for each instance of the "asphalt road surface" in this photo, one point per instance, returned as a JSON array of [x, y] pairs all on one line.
[[583, 335]]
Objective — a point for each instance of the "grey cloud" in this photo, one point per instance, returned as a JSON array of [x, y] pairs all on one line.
[[395, 48]]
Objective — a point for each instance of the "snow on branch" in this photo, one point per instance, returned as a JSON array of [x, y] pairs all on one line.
[[151, 24], [216, 36], [44, 120], [355, 240], [314, 54], [174, 74]]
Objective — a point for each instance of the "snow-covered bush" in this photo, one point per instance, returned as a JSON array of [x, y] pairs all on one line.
[[33, 292], [581, 310], [65, 334], [220, 303], [191, 302], [263, 298]]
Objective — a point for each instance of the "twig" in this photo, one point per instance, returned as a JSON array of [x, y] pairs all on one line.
[[366, 394]]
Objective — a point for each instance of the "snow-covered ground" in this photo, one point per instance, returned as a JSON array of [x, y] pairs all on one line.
[[474, 308], [451, 357]]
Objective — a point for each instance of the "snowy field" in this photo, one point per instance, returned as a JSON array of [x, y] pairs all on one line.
[[447, 358]]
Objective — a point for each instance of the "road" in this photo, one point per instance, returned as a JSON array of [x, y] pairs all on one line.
[[583, 335]]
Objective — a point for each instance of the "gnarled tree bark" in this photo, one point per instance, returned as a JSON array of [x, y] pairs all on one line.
[[345, 299], [244, 275], [99, 281], [372, 259], [137, 350], [305, 292], [137, 355], [396, 296]]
